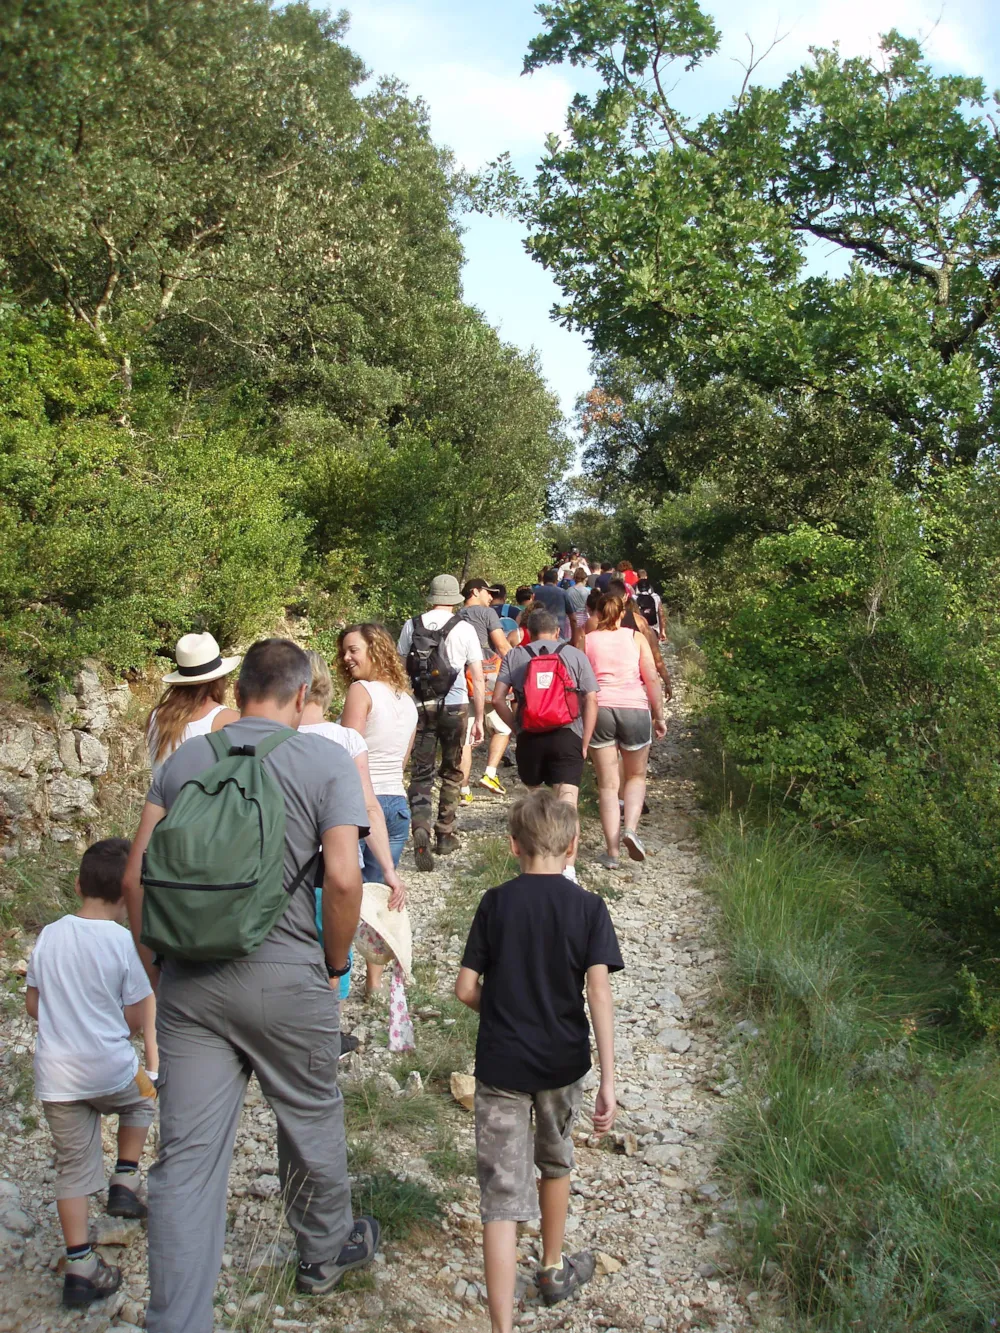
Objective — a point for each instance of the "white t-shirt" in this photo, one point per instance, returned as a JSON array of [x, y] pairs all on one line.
[[461, 647], [353, 743], [86, 972]]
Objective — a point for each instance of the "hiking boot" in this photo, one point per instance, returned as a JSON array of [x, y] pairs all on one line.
[[357, 1252], [123, 1199], [493, 784], [633, 845], [422, 853], [555, 1284], [88, 1280], [506, 761], [348, 1044], [446, 844]]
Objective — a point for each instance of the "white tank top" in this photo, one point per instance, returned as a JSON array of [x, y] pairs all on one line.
[[391, 724], [200, 727]]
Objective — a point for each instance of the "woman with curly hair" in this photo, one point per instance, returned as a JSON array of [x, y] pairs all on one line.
[[380, 708]]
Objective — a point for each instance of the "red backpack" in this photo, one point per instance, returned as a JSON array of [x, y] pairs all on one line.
[[548, 697]]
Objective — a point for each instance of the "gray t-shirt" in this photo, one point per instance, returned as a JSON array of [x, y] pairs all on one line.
[[484, 620], [515, 665], [577, 597], [321, 788]]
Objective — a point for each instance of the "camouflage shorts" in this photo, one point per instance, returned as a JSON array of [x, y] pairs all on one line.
[[507, 1153]]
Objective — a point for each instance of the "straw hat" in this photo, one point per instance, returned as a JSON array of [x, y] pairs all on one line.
[[394, 928], [199, 659]]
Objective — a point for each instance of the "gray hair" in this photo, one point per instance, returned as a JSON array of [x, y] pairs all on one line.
[[273, 669], [542, 622]]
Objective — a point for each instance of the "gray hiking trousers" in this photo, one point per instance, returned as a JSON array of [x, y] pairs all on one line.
[[215, 1025]]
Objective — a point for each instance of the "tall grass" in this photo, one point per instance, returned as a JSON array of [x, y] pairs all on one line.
[[865, 1146]]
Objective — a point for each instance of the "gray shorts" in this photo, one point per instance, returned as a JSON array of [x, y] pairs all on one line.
[[76, 1134], [507, 1153], [628, 728]]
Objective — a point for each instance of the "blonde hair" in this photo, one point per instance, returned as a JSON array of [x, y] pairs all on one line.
[[542, 825], [384, 661], [177, 706], [321, 683]]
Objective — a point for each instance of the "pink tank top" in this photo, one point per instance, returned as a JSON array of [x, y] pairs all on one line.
[[614, 655]]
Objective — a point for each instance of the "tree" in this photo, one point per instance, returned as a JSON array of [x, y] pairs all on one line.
[[685, 245]]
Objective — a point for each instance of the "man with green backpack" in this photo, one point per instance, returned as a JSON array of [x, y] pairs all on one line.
[[220, 892]]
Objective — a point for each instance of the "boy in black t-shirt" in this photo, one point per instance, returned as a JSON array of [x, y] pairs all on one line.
[[536, 941]]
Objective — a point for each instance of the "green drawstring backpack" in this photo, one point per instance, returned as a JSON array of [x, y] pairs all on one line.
[[213, 872]]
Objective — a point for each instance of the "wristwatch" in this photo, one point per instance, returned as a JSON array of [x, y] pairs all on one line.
[[333, 972]]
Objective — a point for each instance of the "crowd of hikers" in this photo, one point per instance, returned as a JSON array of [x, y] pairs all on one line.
[[268, 852]]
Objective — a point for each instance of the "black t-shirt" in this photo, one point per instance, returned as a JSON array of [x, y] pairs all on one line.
[[533, 939]]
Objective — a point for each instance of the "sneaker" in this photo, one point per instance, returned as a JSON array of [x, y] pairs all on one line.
[[446, 844], [88, 1280], [607, 861], [422, 849], [348, 1043], [493, 784], [633, 845], [358, 1251], [555, 1284], [123, 1199], [466, 798]]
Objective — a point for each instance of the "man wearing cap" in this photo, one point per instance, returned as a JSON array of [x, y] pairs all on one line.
[[442, 723]]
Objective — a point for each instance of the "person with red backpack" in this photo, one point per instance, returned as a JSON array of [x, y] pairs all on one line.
[[555, 689]]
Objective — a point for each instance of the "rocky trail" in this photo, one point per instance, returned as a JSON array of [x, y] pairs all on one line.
[[645, 1197]]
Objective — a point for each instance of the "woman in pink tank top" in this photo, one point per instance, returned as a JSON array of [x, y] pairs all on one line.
[[629, 709]]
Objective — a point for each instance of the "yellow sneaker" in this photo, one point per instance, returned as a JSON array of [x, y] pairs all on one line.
[[466, 798], [493, 784]]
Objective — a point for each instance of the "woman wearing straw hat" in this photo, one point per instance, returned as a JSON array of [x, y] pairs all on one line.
[[193, 703]]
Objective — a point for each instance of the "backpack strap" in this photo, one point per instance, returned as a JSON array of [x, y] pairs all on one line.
[[222, 749], [219, 743], [447, 628], [303, 870]]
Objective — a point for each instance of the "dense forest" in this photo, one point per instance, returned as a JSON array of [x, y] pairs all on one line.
[[236, 371]]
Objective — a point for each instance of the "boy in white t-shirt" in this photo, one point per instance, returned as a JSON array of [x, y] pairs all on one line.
[[90, 994]]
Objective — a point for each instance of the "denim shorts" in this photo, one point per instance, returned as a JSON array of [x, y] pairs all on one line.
[[397, 823]]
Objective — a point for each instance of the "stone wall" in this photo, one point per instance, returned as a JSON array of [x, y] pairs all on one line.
[[59, 765]]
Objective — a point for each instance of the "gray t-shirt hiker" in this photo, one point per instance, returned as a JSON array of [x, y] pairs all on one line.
[[514, 667]]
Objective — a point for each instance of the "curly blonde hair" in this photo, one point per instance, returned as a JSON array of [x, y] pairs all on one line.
[[384, 661]]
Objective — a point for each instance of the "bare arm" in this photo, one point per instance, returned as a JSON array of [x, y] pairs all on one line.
[[31, 1002], [647, 670], [378, 836], [357, 706], [478, 698], [132, 884], [654, 647], [589, 719], [500, 705], [468, 989], [341, 892], [141, 1017], [602, 1016], [500, 642]]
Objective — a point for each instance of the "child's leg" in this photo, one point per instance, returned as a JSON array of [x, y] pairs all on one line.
[[507, 1190], [500, 1262], [75, 1221], [553, 1198], [131, 1139], [76, 1137]]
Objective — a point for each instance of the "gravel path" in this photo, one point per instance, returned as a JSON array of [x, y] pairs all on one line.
[[645, 1198]]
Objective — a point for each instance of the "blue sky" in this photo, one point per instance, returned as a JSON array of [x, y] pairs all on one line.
[[463, 57]]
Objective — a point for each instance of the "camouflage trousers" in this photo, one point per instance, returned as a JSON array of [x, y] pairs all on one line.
[[507, 1151]]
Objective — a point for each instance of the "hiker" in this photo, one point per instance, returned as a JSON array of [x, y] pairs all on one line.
[[650, 603], [630, 706], [577, 598], [627, 574], [194, 701], [507, 613], [556, 692], [535, 943], [439, 648], [377, 848], [89, 993], [555, 600], [606, 575], [633, 619], [573, 562], [246, 1007], [478, 611]]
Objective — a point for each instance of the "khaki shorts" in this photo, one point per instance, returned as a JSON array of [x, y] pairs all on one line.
[[76, 1134], [491, 722], [507, 1153]]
